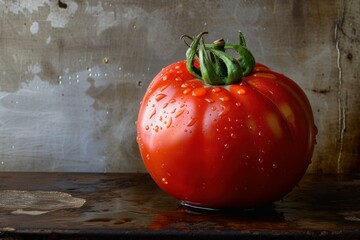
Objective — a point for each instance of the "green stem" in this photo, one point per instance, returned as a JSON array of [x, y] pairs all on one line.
[[216, 66]]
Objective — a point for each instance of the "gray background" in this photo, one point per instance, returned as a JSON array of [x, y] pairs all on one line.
[[72, 73]]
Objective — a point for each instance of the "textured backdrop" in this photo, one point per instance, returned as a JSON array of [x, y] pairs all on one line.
[[72, 73]]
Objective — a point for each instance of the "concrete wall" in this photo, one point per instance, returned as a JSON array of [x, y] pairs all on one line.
[[72, 73]]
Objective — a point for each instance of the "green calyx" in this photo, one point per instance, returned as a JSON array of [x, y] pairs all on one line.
[[216, 66]]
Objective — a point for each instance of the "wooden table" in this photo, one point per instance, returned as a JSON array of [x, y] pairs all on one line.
[[131, 206]]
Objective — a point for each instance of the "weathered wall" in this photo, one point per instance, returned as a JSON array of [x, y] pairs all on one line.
[[72, 73]]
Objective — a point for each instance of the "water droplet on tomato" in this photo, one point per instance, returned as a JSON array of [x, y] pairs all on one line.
[[187, 90], [164, 78], [227, 145], [260, 160], [191, 122], [233, 135], [165, 105], [169, 123], [179, 113], [274, 166], [153, 113], [148, 156], [224, 98], [264, 75], [216, 90], [164, 181], [164, 87], [209, 100], [238, 104], [147, 127], [260, 133], [224, 111], [172, 100], [174, 110], [213, 108], [241, 91], [160, 96], [156, 128], [199, 92]]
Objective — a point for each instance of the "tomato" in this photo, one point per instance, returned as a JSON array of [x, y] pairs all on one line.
[[225, 146]]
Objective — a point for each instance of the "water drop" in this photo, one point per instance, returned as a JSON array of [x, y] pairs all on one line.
[[241, 91], [191, 122], [227, 145], [187, 90], [264, 75], [153, 113], [169, 123], [216, 90], [179, 113], [224, 111], [163, 87], [274, 166], [147, 127], [199, 92], [224, 98], [260, 160], [164, 181], [233, 135], [156, 128], [148, 156], [160, 96], [260, 133]]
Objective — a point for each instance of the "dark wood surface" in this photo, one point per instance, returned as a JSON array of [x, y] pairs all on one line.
[[131, 206]]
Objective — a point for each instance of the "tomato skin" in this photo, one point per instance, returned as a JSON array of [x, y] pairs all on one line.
[[235, 146]]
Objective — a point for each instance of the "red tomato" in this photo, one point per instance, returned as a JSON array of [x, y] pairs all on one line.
[[240, 145]]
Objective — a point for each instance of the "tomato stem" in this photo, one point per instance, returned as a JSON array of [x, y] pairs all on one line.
[[216, 66]]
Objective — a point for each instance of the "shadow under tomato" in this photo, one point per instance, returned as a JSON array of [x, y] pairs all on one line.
[[191, 219]]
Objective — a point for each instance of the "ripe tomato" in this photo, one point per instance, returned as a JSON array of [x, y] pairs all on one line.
[[240, 145]]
